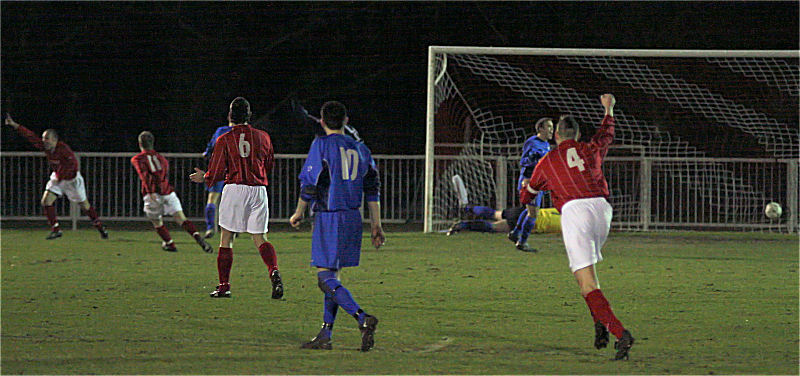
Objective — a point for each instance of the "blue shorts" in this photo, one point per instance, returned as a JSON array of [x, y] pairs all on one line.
[[336, 241], [217, 187]]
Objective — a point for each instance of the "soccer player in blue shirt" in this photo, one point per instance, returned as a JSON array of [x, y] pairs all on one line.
[[533, 150], [338, 173], [215, 190]]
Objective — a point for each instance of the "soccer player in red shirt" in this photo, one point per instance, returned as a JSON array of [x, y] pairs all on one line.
[[573, 173], [242, 157], [159, 196], [66, 178]]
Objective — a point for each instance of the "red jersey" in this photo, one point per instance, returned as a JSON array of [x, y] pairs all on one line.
[[62, 160], [153, 169], [242, 156], [574, 169]]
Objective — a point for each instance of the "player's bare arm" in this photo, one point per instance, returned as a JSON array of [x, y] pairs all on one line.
[[297, 217], [198, 176], [11, 122], [608, 102], [378, 237]]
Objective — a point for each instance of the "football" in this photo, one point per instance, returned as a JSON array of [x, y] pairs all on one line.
[[773, 210]]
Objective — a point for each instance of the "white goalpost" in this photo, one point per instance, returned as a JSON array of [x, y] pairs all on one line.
[[705, 138]]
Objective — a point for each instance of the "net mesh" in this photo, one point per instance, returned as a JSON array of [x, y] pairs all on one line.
[[684, 108]]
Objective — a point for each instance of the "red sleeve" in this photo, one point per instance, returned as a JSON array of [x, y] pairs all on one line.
[[603, 138], [537, 183], [31, 137], [219, 163], [144, 174]]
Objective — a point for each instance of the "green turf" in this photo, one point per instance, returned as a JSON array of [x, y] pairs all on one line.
[[697, 303]]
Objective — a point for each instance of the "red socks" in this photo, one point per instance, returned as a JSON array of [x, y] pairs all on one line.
[[164, 234], [267, 252], [92, 214], [189, 227], [50, 213], [224, 262], [601, 312]]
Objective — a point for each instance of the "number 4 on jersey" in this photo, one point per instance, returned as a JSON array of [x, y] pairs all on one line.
[[573, 160]]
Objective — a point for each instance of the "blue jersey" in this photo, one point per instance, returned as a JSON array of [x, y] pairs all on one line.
[[338, 174], [532, 151], [219, 132]]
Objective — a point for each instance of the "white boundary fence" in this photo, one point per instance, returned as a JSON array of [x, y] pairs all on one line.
[[645, 192]]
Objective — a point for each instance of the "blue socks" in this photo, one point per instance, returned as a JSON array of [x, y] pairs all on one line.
[[211, 210], [329, 314], [520, 221], [340, 295], [527, 227]]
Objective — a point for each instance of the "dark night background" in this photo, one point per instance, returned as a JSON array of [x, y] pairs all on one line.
[[101, 72]]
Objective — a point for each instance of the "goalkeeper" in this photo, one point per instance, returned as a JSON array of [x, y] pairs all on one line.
[[486, 219]]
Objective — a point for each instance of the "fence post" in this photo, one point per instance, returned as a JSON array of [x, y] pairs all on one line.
[[791, 194], [500, 180], [645, 178], [73, 206]]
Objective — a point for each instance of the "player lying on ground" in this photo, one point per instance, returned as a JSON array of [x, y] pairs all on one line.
[[66, 178], [159, 196], [490, 220], [338, 174], [243, 157], [573, 173]]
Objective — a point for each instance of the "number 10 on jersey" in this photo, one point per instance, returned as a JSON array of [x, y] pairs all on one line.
[[349, 163]]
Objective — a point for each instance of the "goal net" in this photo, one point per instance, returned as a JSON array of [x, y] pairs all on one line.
[[704, 138]]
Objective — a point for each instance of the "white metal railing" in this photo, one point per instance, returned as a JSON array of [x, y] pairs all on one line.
[[113, 186], [647, 193]]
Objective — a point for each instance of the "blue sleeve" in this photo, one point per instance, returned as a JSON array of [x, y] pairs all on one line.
[[210, 146], [312, 168], [372, 181]]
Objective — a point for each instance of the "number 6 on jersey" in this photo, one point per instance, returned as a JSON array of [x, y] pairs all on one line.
[[573, 160]]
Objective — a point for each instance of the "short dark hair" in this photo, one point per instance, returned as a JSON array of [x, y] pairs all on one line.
[[239, 111], [540, 123], [333, 114], [568, 127], [147, 140], [51, 131]]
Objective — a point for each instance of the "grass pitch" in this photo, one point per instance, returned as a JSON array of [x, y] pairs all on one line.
[[697, 303]]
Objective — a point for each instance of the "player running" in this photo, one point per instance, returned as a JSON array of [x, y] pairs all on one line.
[[215, 190], [242, 157], [66, 178], [338, 173], [159, 196], [573, 173], [532, 151]]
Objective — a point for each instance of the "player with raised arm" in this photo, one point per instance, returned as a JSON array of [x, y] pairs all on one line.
[[338, 174], [533, 150], [215, 190], [159, 196], [243, 157], [573, 173], [66, 178]]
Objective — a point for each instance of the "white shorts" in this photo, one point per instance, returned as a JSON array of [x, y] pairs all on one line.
[[584, 224], [244, 208], [73, 188], [162, 205]]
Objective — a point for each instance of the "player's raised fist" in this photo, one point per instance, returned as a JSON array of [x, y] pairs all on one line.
[[608, 100], [11, 122]]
